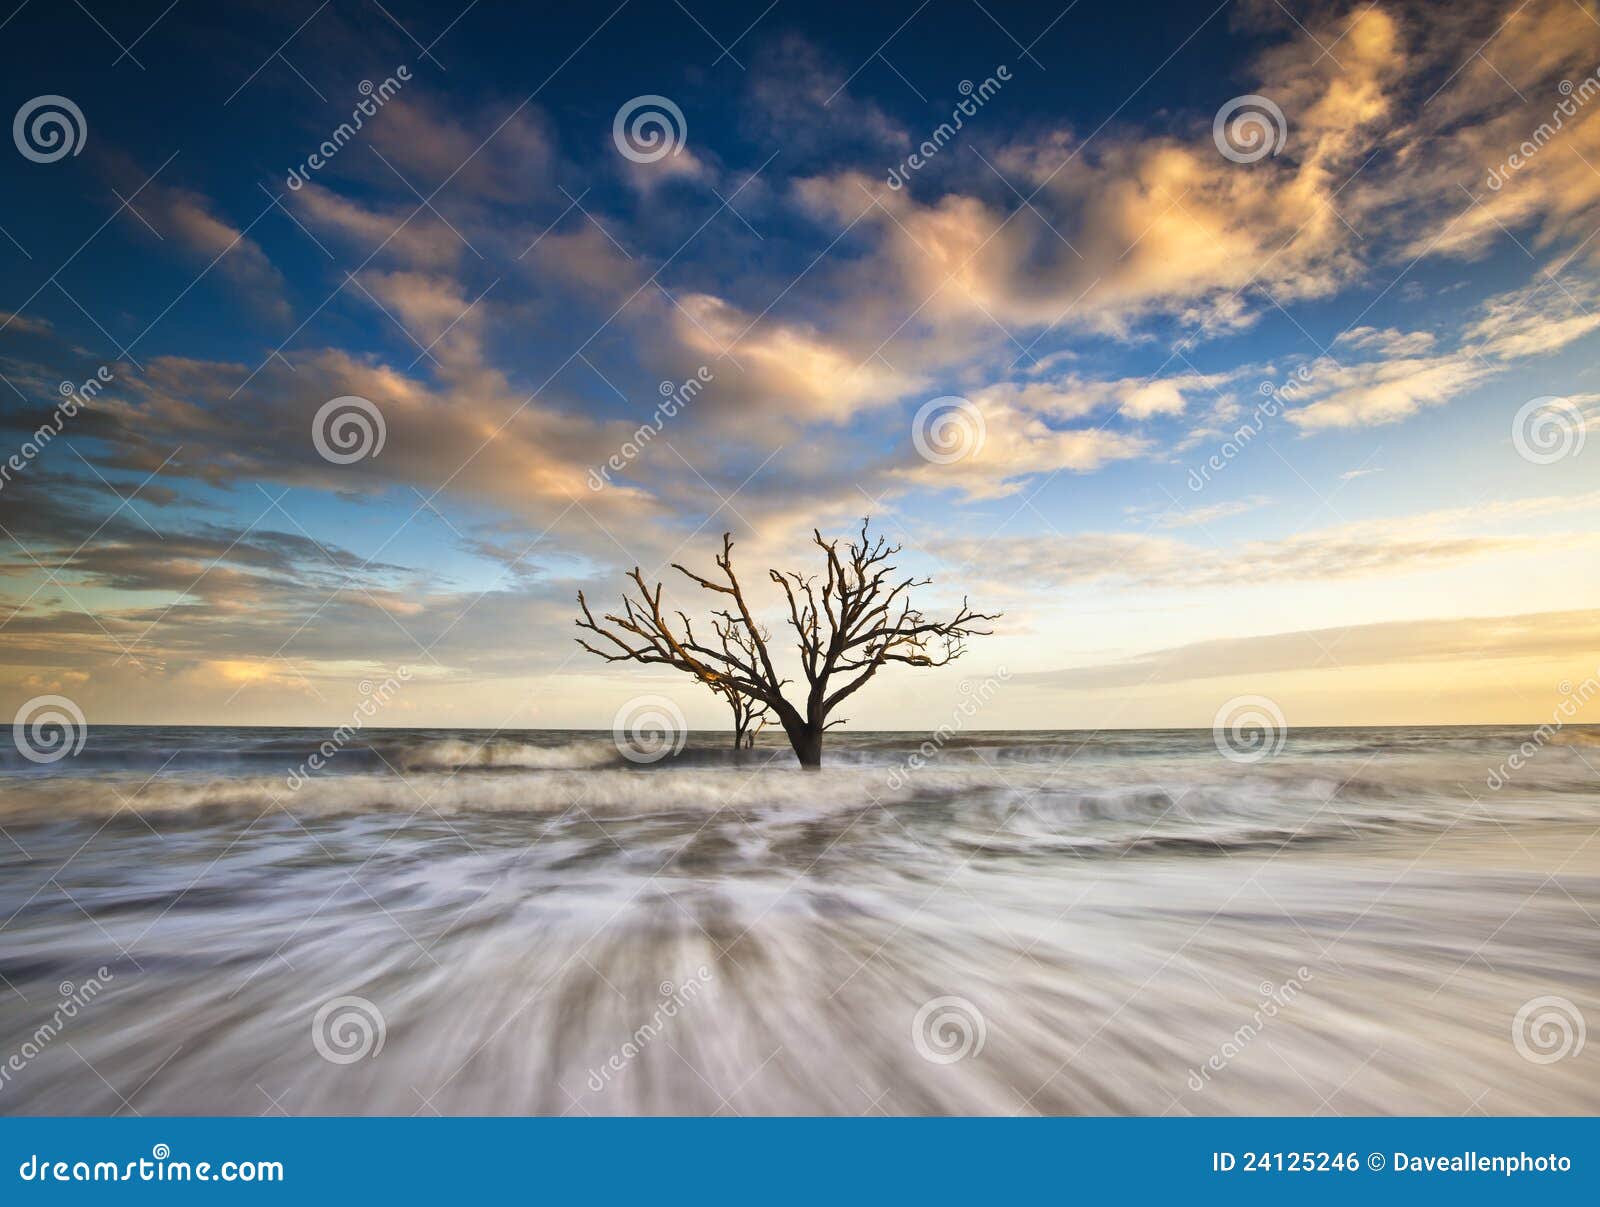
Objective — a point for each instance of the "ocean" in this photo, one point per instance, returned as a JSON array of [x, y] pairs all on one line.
[[198, 920]]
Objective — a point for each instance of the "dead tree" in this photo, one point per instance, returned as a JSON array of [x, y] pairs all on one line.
[[745, 713], [848, 627], [747, 710]]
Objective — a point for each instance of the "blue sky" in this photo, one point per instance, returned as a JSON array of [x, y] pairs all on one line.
[[1106, 281]]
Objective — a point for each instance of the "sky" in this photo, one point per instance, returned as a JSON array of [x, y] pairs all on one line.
[[1233, 352]]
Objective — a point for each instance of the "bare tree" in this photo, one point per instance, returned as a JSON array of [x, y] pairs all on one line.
[[851, 625], [747, 710], [745, 713]]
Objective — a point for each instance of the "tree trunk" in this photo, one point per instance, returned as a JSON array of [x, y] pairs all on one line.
[[807, 743]]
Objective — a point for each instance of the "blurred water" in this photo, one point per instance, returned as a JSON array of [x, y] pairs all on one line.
[[1052, 922]]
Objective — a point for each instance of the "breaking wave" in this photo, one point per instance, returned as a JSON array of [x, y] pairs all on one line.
[[1120, 793]]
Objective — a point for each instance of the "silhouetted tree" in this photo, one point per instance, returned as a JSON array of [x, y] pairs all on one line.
[[747, 710], [852, 624]]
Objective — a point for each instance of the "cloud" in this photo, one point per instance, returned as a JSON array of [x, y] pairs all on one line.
[[1119, 226], [404, 232], [1028, 429], [1424, 541], [1539, 318], [430, 309], [495, 155], [1404, 376], [1541, 635], [1504, 72], [1074, 396], [800, 101], [1389, 341], [788, 371], [12, 321], [1384, 391], [1016, 444], [683, 166], [588, 258], [187, 218], [475, 435], [1199, 517], [1122, 228], [182, 614], [1139, 561]]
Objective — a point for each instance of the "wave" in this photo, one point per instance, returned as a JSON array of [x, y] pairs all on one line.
[[452, 753], [267, 750], [1575, 736], [600, 791], [1090, 810]]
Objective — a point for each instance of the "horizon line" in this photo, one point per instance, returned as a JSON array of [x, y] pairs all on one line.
[[1290, 728]]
